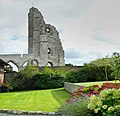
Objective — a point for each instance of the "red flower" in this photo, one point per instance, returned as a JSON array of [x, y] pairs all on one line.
[[91, 89], [96, 86]]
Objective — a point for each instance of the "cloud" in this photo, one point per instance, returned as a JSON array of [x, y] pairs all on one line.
[[88, 28], [100, 36], [72, 53], [79, 57]]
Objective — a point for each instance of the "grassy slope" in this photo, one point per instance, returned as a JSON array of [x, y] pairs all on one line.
[[93, 83], [42, 100]]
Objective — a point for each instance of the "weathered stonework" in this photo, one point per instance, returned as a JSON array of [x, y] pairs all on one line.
[[71, 87], [44, 45]]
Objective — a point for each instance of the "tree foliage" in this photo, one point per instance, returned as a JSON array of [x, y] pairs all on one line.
[[28, 71], [115, 64]]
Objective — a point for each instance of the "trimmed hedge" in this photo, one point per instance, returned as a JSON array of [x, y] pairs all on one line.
[[31, 78], [89, 73]]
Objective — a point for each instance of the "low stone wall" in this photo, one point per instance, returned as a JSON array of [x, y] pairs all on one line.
[[20, 112], [71, 87]]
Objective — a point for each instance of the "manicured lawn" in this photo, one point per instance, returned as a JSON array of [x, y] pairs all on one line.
[[38, 100], [93, 83]]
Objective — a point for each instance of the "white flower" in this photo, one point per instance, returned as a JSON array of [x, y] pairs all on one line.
[[91, 106], [104, 107], [96, 110], [111, 109], [99, 103]]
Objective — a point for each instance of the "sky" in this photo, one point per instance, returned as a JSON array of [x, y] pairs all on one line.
[[88, 29]]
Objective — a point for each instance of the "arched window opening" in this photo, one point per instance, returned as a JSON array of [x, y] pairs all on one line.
[[49, 50], [25, 64], [48, 30], [35, 62], [50, 64], [13, 66]]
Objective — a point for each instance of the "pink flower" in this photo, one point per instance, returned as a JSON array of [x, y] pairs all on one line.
[[88, 95], [76, 93], [82, 88], [95, 92]]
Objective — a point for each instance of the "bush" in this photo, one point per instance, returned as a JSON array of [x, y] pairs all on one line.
[[89, 73], [73, 76], [76, 108], [30, 78], [108, 103], [47, 81]]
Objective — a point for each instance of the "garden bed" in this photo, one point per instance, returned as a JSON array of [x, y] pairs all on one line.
[[112, 85]]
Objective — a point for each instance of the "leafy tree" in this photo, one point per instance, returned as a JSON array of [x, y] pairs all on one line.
[[115, 64]]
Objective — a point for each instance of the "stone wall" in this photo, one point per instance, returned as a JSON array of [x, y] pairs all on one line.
[[71, 87], [6, 112], [10, 76]]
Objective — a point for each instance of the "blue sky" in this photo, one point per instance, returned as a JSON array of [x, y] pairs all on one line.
[[89, 29]]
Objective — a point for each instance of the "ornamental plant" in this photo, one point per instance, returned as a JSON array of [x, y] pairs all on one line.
[[76, 108], [107, 103], [88, 91]]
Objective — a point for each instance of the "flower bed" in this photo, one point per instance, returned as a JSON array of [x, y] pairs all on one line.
[[111, 85], [89, 90], [107, 104], [98, 101]]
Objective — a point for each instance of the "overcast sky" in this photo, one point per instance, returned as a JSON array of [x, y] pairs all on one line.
[[88, 29]]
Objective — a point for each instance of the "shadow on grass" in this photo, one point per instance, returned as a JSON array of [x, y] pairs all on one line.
[[60, 95]]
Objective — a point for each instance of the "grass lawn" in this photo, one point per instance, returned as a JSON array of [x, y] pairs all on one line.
[[37, 100], [93, 83]]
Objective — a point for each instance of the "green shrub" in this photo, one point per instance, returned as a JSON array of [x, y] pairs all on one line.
[[73, 76], [108, 103], [30, 78], [93, 73], [76, 108], [28, 72], [89, 73], [47, 81]]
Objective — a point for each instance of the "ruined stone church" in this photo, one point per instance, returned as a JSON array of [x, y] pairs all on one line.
[[44, 45]]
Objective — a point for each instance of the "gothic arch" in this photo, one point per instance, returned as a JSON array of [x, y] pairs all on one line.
[[34, 62], [24, 64], [50, 64], [13, 65]]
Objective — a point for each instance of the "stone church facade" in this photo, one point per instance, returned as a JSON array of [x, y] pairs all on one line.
[[44, 45]]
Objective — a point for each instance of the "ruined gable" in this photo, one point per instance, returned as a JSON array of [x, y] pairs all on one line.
[[44, 45]]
